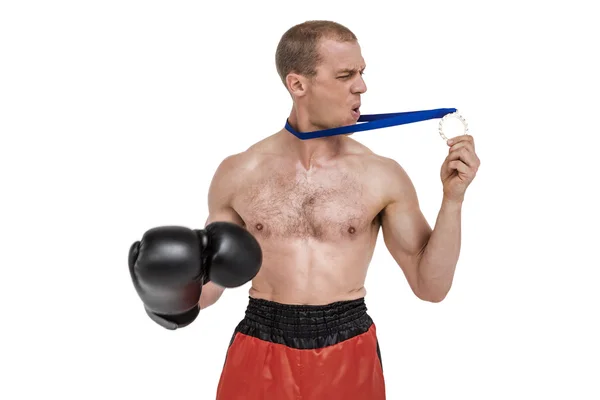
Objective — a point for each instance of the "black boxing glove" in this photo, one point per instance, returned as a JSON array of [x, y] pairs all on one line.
[[170, 264], [167, 273], [231, 255]]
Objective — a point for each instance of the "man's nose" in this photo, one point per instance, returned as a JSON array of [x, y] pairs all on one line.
[[359, 86]]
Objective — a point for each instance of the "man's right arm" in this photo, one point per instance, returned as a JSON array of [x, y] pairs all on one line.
[[220, 195]]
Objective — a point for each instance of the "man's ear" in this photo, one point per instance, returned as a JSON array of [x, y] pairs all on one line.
[[297, 84]]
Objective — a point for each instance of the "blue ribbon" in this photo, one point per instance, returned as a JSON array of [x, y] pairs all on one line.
[[374, 121]]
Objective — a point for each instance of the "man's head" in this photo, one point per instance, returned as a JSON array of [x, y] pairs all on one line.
[[321, 65]]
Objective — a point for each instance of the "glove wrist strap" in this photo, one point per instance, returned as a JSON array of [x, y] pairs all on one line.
[[204, 242], [173, 322]]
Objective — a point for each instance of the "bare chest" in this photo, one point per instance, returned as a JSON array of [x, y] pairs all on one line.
[[324, 206]]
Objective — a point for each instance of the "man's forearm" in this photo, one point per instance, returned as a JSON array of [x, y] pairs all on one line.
[[210, 294], [440, 256]]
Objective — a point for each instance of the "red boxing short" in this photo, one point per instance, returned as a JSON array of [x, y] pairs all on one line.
[[283, 352]]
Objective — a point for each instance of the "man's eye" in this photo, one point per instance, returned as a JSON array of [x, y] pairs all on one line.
[[344, 76]]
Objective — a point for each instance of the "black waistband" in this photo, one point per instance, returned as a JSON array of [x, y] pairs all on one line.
[[305, 326]]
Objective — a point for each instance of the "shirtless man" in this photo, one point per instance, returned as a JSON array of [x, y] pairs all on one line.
[[316, 207]]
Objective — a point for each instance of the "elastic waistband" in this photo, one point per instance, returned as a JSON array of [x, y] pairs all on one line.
[[326, 324]]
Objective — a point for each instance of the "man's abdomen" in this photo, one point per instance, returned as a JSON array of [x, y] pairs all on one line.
[[310, 272]]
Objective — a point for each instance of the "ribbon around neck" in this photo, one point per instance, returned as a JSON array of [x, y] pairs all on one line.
[[374, 121]]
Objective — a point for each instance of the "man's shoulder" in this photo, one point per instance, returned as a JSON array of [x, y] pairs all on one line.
[[385, 175], [367, 156], [236, 166]]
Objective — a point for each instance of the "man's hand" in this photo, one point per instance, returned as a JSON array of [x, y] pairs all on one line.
[[459, 167]]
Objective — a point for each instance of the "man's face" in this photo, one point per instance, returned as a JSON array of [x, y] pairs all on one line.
[[333, 95]]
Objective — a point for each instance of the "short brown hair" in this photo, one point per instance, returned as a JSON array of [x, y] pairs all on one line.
[[297, 50]]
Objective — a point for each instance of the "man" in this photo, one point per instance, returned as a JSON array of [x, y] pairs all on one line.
[[315, 207]]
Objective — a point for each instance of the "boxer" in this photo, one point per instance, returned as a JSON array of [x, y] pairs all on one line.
[[315, 208]]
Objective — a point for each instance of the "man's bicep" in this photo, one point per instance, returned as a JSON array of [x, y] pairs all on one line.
[[405, 231], [221, 193], [226, 214], [404, 227]]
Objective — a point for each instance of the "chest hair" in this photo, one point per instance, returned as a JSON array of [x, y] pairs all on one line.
[[327, 207]]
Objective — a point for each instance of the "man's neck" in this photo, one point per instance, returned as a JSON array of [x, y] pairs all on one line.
[[311, 150], [307, 152]]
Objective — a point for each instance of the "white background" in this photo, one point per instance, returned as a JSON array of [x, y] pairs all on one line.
[[115, 114]]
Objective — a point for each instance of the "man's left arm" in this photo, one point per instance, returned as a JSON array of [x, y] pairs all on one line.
[[428, 257]]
